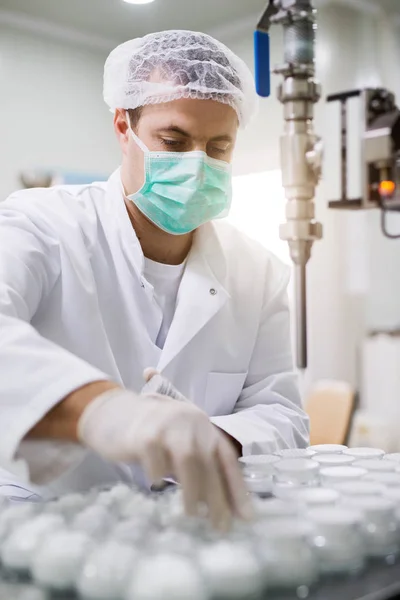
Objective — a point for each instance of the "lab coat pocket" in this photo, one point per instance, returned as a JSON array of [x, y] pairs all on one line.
[[222, 392]]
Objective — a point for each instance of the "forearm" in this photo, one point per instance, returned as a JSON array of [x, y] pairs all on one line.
[[62, 420]]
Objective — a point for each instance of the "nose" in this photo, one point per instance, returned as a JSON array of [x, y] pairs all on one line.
[[200, 145]]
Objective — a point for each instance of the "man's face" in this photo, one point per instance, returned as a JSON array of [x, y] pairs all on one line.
[[178, 126]]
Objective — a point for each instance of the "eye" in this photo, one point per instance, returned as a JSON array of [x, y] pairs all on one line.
[[216, 150], [171, 143]]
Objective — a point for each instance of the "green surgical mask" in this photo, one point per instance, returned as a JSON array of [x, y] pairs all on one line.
[[182, 190]]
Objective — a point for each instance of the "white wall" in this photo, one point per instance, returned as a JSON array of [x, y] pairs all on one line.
[[51, 108], [52, 115], [353, 49]]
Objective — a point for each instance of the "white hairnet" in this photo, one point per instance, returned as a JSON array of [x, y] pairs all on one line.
[[169, 65]]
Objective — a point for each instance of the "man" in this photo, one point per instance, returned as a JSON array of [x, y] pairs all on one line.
[[99, 282]]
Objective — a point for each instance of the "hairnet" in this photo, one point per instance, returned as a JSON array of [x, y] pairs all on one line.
[[170, 65]]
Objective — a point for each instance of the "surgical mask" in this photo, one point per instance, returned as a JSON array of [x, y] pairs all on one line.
[[182, 190]]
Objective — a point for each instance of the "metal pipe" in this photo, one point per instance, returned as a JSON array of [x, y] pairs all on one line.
[[301, 314], [301, 149]]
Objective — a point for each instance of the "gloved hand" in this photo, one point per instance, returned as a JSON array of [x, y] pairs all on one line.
[[156, 383], [168, 437]]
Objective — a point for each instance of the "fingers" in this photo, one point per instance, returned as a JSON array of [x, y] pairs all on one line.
[[155, 462], [160, 385], [148, 373], [190, 475], [206, 467], [156, 385], [233, 481], [219, 508]]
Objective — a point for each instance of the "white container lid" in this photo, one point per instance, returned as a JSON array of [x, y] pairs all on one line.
[[259, 462], [294, 466], [332, 474], [376, 465], [394, 456], [360, 488], [259, 459], [372, 506], [107, 570], [389, 479], [295, 453], [289, 529], [165, 576], [328, 448], [393, 494], [333, 460], [274, 508], [334, 517], [361, 453], [57, 562], [230, 570], [316, 496]]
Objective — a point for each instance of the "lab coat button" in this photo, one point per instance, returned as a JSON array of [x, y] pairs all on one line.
[[213, 291]]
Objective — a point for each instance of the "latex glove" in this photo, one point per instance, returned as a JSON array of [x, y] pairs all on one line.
[[168, 437], [156, 383]]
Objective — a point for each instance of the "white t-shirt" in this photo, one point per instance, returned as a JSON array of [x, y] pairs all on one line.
[[165, 279]]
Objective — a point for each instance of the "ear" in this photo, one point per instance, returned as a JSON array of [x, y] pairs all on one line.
[[121, 128]]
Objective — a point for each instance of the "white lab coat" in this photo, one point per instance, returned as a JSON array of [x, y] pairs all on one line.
[[75, 308]]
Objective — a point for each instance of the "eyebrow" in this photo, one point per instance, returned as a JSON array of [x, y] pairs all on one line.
[[176, 129]]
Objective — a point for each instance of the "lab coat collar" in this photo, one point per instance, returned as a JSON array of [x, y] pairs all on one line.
[[130, 242]]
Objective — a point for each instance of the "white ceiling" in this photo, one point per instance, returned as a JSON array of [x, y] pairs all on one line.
[[104, 23], [119, 21]]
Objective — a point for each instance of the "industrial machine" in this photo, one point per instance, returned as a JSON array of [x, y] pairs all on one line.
[[380, 152], [301, 149]]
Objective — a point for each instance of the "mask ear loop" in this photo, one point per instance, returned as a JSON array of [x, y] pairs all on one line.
[[135, 138]]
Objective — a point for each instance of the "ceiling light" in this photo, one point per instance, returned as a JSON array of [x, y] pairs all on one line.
[[138, 1]]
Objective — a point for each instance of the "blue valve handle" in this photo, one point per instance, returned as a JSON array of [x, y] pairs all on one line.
[[262, 63]]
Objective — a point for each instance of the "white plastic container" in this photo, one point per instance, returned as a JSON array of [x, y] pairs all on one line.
[[107, 572], [231, 571], [287, 556], [364, 453], [333, 460], [20, 547], [328, 448], [296, 471], [376, 465], [258, 484], [58, 560], [338, 539], [257, 472], [380, 525], [332, 475], [14, 515], [166, 576], [94, 520]]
